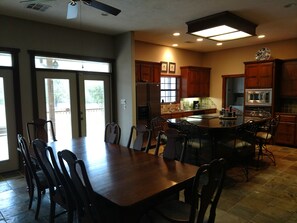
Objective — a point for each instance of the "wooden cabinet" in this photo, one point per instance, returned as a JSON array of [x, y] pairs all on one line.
[[286, 130], [261, 74], [147, 71], [195, 81], [289, 79]]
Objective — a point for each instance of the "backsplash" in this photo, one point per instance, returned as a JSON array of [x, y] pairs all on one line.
[[187, 104]]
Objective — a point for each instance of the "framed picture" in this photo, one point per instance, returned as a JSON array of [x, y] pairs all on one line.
[[164, 67], [172, 67]]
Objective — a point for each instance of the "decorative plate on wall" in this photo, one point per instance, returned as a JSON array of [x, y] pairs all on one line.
[[263, 54]]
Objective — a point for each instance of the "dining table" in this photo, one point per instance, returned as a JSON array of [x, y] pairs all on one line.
[[126, 181]]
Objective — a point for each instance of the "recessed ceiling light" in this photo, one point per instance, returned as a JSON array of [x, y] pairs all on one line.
[[175, 45], [199, 39], [261, 36], [219, 44], [176, 34]]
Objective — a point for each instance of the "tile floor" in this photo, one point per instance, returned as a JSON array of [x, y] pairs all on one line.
[[270, 196]]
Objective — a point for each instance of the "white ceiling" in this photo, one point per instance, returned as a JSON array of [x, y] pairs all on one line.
[[154, 21]]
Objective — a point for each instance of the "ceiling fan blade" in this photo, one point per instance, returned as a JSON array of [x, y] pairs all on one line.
[[103, 7], [72, 11]]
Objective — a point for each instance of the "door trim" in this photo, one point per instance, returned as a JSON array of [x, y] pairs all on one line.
[[224, 82]]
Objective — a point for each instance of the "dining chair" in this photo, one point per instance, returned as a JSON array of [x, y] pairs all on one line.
[[244, 145], [265, 137], [141, 136], [76, 175], [157, 124], [112, 133], [38, 129], [59, 190], [34, 176], [205, 194], [175, 146], [198, 143]]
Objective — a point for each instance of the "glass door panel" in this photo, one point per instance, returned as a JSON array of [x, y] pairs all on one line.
[[95, 103], [4, 155], [58, 106], [57, 101], [8, 143]]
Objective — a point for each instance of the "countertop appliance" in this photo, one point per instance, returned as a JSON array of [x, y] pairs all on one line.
[[147, 102], [258, 97]]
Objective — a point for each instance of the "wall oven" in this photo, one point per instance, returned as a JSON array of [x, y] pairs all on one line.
[[258, 97]]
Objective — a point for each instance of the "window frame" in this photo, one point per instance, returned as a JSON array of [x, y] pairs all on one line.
[[177, 89]]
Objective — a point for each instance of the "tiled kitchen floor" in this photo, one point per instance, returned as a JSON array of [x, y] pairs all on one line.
[[270, 196]]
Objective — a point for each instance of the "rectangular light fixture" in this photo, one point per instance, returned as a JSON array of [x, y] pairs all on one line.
[[222, 27]]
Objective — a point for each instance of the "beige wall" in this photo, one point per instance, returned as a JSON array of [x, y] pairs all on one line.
[[224, 62], [27, 35], [158, 53], [231, 61]]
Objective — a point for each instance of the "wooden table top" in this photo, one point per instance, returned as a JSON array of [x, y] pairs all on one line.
[[124, 176]]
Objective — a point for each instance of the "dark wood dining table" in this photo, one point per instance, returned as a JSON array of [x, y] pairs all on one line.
[[130, 181]]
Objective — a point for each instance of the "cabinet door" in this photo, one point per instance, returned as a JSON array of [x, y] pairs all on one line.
[[265, 74], [137, 72], [285, 133], [259, 75], [251, 80], [203, 83], [289, 79], [156, 73], [146, 73]]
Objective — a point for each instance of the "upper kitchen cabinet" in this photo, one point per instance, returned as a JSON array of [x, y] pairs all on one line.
[[261, 74], [195, 81], [289, 79], [147, 71]]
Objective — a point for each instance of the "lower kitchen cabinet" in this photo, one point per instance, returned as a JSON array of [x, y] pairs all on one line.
[[286, 130]]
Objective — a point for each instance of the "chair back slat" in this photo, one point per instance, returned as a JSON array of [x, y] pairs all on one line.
[[142, 138], [38, 129], [112, 133], [207, 189], [77, 176]]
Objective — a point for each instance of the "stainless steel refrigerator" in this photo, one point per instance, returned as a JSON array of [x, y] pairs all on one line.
[[147, 102]]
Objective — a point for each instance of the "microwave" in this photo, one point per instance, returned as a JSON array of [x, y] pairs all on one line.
[[258, 97]]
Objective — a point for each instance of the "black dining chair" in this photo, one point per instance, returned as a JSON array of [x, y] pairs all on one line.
[[174, 148], [39, 129], [157, 124], [59, 190], [205, 194], [76, 175], [198, 143], [35, 178], [112, 133], [140, 138], [245, 145], [265, 137]]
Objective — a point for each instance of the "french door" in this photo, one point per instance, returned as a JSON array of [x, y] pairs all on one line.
[[78, 103], [8, 143]]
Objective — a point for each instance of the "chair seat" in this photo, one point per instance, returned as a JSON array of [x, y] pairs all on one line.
[[263, 135], [177, 210]]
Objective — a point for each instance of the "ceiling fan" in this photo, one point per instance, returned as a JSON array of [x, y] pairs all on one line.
[[72, 10]]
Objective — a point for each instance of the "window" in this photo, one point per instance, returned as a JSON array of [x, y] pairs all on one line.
[[5, 59], [70, 64], [169, 89]]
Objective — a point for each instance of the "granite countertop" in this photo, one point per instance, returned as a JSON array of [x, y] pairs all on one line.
[[184, 111]]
